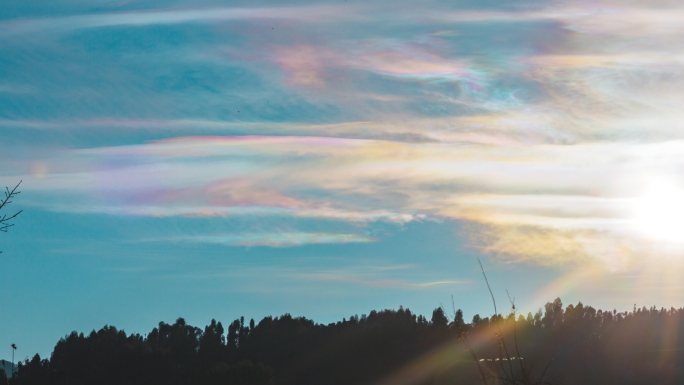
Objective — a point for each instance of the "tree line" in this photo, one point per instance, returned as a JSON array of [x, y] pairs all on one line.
[[578, 344]]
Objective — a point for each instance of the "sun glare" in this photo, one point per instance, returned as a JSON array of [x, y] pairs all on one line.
[[660, 212]]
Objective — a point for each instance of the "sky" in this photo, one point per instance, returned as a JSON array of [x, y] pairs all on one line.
[[212, 159]]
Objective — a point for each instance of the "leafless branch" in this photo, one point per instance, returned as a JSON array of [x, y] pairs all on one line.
[[502, 342], [510, 376], [6, 219]]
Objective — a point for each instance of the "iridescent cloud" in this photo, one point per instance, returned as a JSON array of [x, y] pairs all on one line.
[[536, 202], [539, 127]]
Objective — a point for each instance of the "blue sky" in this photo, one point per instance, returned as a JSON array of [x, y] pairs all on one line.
[[217, 159]]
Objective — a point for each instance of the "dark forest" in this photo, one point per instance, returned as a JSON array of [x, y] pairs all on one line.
[[576, 344]]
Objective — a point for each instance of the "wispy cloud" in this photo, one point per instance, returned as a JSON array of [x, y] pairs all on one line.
[[279, 239], [377, 283], [168, 16], [376, 277], [539, 126], [543, 202]]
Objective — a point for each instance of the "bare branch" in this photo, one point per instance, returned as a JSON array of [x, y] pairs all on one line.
[[488, 287], [5, 219], [515, 335], [511, 376], [498, 325]]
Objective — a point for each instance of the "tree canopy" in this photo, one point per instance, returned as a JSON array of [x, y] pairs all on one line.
[[587, 346]]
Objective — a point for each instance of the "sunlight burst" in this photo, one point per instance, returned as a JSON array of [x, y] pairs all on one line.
[[660, 212]]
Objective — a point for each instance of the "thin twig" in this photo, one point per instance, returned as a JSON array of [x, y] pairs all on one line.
[[498, 325], [6, 219], [515, 335], [488, 287], [525, 370]]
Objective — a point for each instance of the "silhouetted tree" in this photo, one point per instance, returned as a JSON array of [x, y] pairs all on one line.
[[587, 346], [439, 319]]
